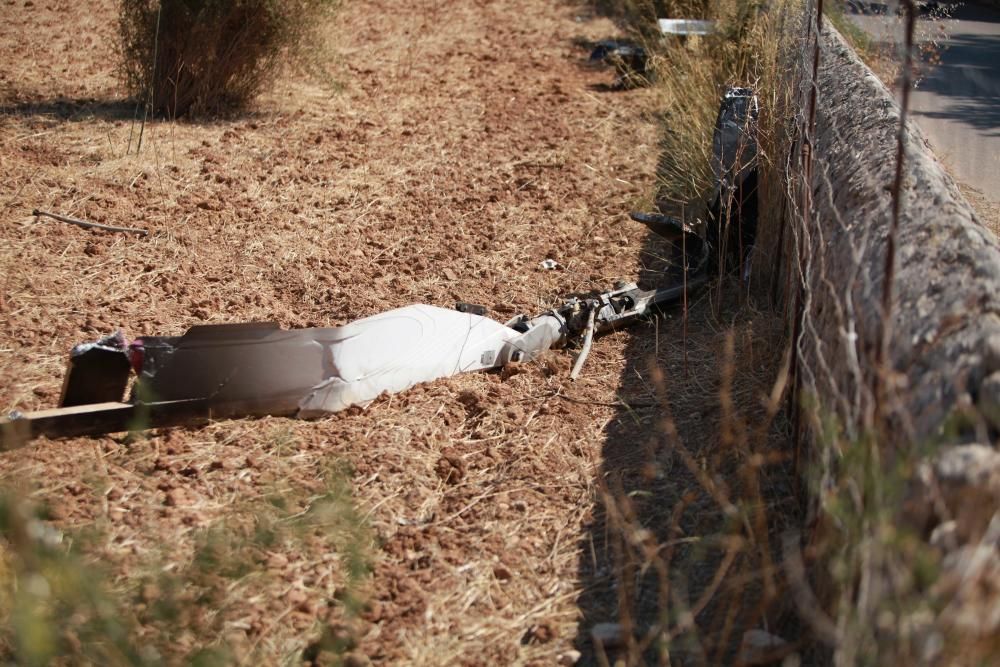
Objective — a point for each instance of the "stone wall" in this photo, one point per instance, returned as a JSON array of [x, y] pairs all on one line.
[[945, 341], [947, 283]]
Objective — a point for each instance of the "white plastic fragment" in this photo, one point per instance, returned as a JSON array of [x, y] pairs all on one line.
[[686, 27], [393, 351]]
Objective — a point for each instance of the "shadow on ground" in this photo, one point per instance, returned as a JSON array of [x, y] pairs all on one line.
[[660, 544], [75, 109], [969, 81]]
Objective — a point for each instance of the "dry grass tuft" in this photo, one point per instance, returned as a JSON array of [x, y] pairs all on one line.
[[195, 58]]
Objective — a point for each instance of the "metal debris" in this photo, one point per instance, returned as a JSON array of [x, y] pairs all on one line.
[[630, 60], [725, 240], [685, 26], [228, 370]]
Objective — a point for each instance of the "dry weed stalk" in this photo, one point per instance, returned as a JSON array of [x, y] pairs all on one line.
[[744, 586]]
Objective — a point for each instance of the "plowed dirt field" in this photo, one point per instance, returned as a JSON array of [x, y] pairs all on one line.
[[457, 523]]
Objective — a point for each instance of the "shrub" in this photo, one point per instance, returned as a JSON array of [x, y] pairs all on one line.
[[193, 57]]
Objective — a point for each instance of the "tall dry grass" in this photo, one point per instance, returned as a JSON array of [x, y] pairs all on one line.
[[713, 560], [864, 586]]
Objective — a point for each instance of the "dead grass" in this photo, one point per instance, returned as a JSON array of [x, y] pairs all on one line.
[[466, 147], [692, 514], [500, 517]]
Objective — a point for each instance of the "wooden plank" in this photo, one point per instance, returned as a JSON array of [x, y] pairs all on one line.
[[61, 422], [102, 418]]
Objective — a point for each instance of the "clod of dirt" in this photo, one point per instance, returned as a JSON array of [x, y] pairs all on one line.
[[541, 633], [299, 600], [150, 593], [277, 560], [162, 465], [515, 413], [340, 635], [472, 402], [450, 467], [355, 659], [176, 498]]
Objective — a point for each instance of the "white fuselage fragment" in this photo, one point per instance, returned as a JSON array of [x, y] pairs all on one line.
[[392, 351]]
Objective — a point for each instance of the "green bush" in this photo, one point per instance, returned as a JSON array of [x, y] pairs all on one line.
[[195, 57]]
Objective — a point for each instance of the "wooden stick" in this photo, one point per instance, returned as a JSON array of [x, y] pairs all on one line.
[[90, 225]]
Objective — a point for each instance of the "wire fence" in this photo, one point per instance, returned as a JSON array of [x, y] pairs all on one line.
[[888, 282]]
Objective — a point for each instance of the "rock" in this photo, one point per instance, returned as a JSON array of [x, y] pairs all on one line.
[[991, 355], [989, 399], [607, 635], [761, 648], [570, 657], [965, 465], [970, 586], [962, 484], [968, 477], [945, 536]]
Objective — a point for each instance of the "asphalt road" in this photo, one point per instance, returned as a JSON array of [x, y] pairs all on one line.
[[957, 103]]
